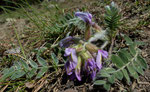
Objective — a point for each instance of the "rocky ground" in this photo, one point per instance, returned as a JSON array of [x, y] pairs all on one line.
[[135, 23]]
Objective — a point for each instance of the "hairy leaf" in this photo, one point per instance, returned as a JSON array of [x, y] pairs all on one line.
[[107, 86], [41, 72], [99, 82], [8, 74], [125, 73], [117, 60], [56, 61], [128, 40], [132, 71], [33, 64], [111, 79], [118, 75], [142, 62], [41, 61], [24, 65]]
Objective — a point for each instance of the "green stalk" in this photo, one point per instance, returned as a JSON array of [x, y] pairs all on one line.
[[22, 49]]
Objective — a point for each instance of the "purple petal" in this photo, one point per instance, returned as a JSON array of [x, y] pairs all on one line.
[[68, 51], [90, 62], [73, 76], [89, 15], [99, 60], [91, 68], [69, 68], [66, 42], [86, 17], [77, 73], [104, 53], [74, 56], [93, 74]]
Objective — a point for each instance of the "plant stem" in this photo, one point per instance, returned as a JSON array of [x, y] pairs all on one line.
[[22, 49], [111, 46], [87, 34], [112, 43]]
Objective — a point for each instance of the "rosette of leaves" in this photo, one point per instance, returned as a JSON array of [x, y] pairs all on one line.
[[127, 63], [112, 18]]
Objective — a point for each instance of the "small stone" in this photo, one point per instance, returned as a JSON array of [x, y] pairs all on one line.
[[13, 51]]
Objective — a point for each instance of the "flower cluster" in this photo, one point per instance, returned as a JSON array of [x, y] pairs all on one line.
[[82, 58], [83, 61]]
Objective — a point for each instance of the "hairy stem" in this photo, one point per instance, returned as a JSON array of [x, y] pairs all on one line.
[[87, 34]]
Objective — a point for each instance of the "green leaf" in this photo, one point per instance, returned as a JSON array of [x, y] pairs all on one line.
[[142, 62], [137, 66], [123, 56], [109, 70], [56, 61], [104, 74], [8, 74], [117, 60], [17, 74], [111, 79], [127, 54], [33, 64], [118, 75], [128, 40], [24, 65], [99, 82], [132, 49], [41, 61], [132, 71], [140, 43], [32, 72], [112, 18], [6, 70], [42, 72], [17, 65], [107, 86], [41, 50], [125, 73]]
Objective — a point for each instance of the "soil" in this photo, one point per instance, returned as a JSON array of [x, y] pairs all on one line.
[[135, 23]]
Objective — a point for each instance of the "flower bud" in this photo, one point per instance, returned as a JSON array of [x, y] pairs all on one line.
[[85, 55], [91, 48]]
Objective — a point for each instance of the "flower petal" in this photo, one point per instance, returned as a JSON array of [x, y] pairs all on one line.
[[104, 53], [68, 51], [86, 17], [66, 42], [74, 57], [91, 70], [77, 73], [69, 68], [99, 60], [93, 74]]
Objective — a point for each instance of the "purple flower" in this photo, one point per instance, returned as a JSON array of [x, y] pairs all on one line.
[[72, 61], [66, 42], [92, 63], [101, 53], [73, 65], [90, 67], [85, 16]]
